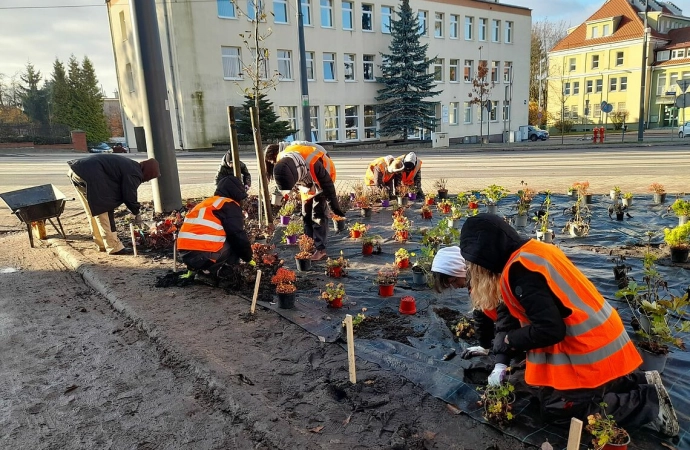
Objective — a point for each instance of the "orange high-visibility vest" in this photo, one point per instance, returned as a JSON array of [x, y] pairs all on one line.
[[408, 177], [201, 229], [370, 175], [596, 348], [311, 155]]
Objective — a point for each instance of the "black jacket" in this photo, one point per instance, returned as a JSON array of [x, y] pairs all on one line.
[[231, 216], [225, 169], [111, 180], [326, 183], [488, 241]]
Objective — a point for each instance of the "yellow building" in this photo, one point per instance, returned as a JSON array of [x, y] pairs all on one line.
[[600, 62]]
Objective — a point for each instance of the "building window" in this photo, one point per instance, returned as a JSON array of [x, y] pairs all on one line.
[[314, 119], [453, 73], [422, 21], [438, 25], [676, 54], [494, 107], [467, 113], [686, 75], [590, 87], [621, 107], [507, 72], [289, 115], [280, 11], [306, 12], [453, 113], [468, 70], [599, 85], [232, 70], [330, 122], [438, 70], [251, 9], [123, 24], [619, 58], [613, 84], [130, 77], [494, 71], [595, 61], [329, 66], [506, 110], [572, 64], [673, 83], [367, 17], [566, 88], [576, 88], [348, 18], [368, 67], [482, 29], [327, 13], [386, 16], [595, 32], [263, 63], [469, 25], [284, 65], [495, 30], [574, 113], [597, 109], [624, 83], [310, 66], [369, 122], [453, 26], [351, 123], [607, 30], [226, 9], [508, 31], [349, 66]]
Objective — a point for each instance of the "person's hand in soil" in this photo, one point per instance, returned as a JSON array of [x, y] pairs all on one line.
[[498, 374], [471, 352]]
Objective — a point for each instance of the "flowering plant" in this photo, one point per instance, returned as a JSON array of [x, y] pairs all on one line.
[[401, 223], [306, 247], [402, 190], [582, 187], [657, 188], [402, 254], [605, 430], [284, 280], [333, 292], [287, 209], [359, 227], [525, 196], [388, 274], [338, 262]]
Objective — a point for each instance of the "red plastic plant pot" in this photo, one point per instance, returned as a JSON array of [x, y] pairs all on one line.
[[403, 235], [337, 303], [407, 305], [473, 205], [386, 290], [430, 201], [355, 234], [367, 249], [335, 272], [445, 209], [404, 263], [427, 215]]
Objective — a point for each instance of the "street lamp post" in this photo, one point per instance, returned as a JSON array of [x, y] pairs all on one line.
[[643, 79], [304, 86]]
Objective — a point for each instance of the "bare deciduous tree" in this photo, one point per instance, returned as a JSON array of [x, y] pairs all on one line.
[[481, 90], [545, 35]]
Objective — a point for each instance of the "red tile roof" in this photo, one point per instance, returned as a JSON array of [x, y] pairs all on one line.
[[673, 62], [680, 38]]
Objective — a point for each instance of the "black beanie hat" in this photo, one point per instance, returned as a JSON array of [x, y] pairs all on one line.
[[285, 174], [488, 241]]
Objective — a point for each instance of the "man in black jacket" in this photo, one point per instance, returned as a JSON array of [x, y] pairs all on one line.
[[103, 182], [226, 169]]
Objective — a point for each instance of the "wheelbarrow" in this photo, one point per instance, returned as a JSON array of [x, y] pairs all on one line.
[[37, 204]]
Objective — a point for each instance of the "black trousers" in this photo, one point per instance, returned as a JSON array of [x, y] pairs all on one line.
[[211, 261], [315, 220]]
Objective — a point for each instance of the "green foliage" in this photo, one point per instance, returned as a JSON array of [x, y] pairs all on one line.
[[493, 193], [678, 237], [272, 128], [565, 126], [605, 429], [618, 118], [441, 234], [34, 99], [59, 95], [681, 207], [542, 219], [405, 78]]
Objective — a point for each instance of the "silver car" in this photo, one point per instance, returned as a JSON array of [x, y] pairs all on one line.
[[101, 148], [683, 130]]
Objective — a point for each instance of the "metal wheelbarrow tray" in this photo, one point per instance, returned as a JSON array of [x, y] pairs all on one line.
[[37, 203]]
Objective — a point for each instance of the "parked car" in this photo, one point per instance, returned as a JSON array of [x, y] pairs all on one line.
[[119, 148], [535, 133], [100, 148], [683, 130]]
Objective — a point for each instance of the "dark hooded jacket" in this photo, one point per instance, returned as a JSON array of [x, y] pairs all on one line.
[[231, 216], [226, 169], [488, 241], [111, 180]]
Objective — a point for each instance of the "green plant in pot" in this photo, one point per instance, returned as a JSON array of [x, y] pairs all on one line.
[[498, 403], [422, 267], [336, 267], [678, 241], [441, 188], [524, 201], [627, 199], [541, 218], [441, 234], [292, 231], [615, 193], [578, 225], [605, 431], [371, 244], [681, 208], [617, 209], [276, 197], [333, 294], [491, 195], [620, 271]]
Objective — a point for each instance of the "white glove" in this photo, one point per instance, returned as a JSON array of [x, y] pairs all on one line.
[[474, 351], [497, 375]]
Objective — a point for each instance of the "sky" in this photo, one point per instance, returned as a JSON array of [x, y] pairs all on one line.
[[38, 31]]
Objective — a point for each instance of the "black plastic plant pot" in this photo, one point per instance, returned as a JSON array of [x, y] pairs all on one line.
[[620, 215], [366, 212], [418, 278], [443, 194], [303, 265], [286, 301], [679, 255], [338, 225]]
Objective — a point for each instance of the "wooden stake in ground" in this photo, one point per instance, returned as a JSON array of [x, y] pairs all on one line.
[[234, 147], [256, 291], [134, 241], [347, 323], [575, 434], [175, 255]]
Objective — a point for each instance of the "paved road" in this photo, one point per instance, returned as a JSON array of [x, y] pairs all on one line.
[[631, 168]]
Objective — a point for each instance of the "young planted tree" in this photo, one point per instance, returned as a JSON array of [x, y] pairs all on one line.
[[406, 80], [34, 99], [272, 128], [481, 91]]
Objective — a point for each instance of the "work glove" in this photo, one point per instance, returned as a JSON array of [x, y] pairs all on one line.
[[138, 220], [474, 351], [252, 263], [337, 211], [498, 374], [500, 346]]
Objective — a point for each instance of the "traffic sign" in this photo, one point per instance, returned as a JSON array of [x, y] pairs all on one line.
[[683, 100], [607, 108], [683, 85]]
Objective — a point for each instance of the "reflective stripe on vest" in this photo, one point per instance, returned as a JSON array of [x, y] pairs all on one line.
[[596, 348], [201, 229], [370, 176], [408, 177], [311, 155]]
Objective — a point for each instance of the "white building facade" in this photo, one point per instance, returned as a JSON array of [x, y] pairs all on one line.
[[344, 39]]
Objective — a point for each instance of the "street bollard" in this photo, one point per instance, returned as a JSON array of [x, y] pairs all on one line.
[[602, 134], [595, 135]]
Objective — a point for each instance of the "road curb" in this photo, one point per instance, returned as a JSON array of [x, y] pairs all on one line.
[[254, 415]]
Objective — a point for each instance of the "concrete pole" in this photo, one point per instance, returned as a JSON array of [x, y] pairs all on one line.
[[304, 85], [643, 81], [155, 105]]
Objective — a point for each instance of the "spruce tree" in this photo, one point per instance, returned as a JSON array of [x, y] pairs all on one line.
[[59, 95], [272, 128], [406, 80], [34, 99], [86, 101]]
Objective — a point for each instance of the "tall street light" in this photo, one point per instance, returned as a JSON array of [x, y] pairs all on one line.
[[643, 81], [304, 86]]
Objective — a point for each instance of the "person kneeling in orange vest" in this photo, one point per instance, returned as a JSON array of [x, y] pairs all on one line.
[[381, 173], [579, 354], [212, 234], [411, 174]]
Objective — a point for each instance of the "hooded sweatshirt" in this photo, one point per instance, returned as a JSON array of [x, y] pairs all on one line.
[[488, 241], [231, 217]]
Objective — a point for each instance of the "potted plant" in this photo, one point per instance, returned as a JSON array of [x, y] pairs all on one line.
[[357, 230], [402, 192], [440, 186], [607, 435], [386, 279], [544, 233], [615, 193], [401, 227], [578, 225], [572, 191], [430, 199], [471, 201], [338, 223], [678, 241], [627, 199], [426, 213], [444, 206], [402, 258], [498, 403], [306, 249], [620, 271], [292, 231], [276, 197], [491, 196], [364, 203], [286, 212], [681, 208], [333, 294], [284, 281], [618, 209], [455, 216], [582, 190], [525, 196], [422, 266], [659, 192], [441, 234], [335, 268], [371, 245]]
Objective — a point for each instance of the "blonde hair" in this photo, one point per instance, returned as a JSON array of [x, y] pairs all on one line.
[[485, 287]]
